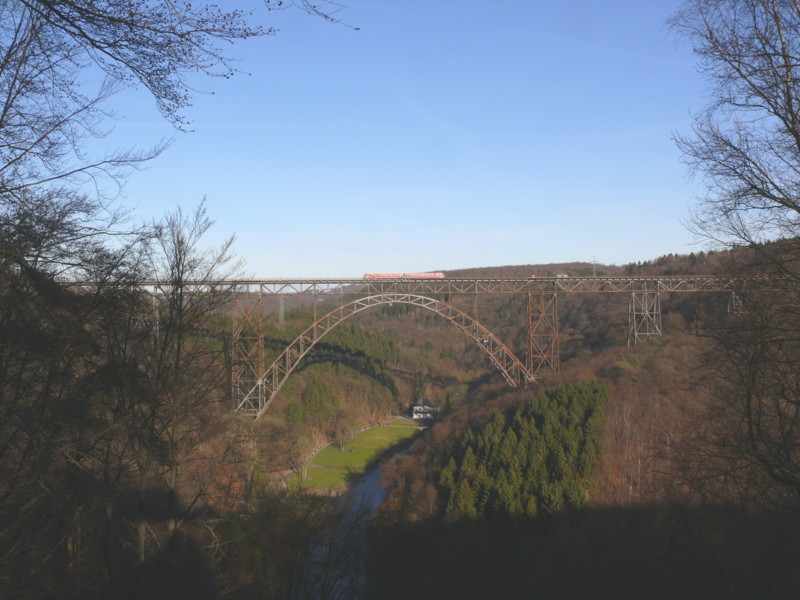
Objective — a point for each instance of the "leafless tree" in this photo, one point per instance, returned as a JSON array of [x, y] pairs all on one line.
[[99, 410], [62, 419], [49, 47], [745, 444], [746, 144], [335, 567], [747, 141]]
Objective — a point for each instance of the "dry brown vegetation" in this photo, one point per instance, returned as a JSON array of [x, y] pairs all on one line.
[[659, 505], [184, 479]]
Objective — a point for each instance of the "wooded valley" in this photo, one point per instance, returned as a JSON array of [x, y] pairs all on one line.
[[663, 469]]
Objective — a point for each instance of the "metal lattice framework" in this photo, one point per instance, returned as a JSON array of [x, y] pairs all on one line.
[[543, 354], [260, 396], [504, 285], [247, 343], [253, 393], [644, 317], [254, 387]]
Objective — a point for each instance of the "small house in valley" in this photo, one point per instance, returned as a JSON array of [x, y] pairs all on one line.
[[423, 410]]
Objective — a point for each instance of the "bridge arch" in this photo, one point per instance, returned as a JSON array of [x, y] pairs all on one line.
[[258, 399]]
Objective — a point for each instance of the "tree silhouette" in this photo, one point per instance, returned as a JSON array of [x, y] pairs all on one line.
[[747, 146]]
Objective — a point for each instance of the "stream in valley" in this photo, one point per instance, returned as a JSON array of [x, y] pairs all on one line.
[[337, 566]]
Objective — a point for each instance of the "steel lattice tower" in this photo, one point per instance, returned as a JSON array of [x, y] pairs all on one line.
[[644, 317], [543, 354]]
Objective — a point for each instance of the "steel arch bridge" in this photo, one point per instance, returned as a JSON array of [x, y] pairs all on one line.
[[257, 399], [254, 386]]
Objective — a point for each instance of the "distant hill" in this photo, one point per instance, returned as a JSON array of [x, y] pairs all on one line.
[[694, 263], [545, 270]]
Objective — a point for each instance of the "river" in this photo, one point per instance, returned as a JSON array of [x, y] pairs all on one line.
[[338, 558], [367, 494]]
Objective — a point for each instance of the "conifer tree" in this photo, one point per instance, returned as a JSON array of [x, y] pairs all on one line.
[[541, 460], [447, 476]]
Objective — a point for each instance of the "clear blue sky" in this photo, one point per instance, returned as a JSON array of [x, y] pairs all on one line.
[[442, 134]]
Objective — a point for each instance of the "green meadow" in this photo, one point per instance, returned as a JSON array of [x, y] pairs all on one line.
[[332, 466]]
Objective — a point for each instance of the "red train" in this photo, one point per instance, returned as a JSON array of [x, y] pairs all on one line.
[[403, 275]]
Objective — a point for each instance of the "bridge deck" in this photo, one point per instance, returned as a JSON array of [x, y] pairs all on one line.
[[482, 285]]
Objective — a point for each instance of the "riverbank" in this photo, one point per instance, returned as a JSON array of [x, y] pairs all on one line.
[[332, 468]]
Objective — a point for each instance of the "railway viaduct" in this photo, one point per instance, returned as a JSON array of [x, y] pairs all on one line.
[[256, 384]]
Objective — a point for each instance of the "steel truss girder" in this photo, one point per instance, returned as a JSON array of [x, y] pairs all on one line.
[[543, 353], [260, 396], [644, 316], [342, 286], [331, 287]]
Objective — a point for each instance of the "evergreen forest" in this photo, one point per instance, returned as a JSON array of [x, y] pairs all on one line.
[[540, 460]]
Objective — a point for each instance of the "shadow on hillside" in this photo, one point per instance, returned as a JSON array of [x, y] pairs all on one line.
[[651, 552], [353, 477], [357, 360]]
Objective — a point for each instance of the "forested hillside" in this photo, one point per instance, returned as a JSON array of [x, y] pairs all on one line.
[[615, 503], [602, 455], [537, 461], [669, 468]]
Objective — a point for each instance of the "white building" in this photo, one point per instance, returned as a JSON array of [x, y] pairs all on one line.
[[423, 410]]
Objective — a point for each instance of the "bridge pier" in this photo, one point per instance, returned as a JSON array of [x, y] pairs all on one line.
[[247, 350], [735, 304], [156, 325], [543, 353], [644, 316]]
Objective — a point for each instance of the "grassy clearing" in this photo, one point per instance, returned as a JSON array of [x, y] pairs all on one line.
[[323, 477], [332, 467]]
